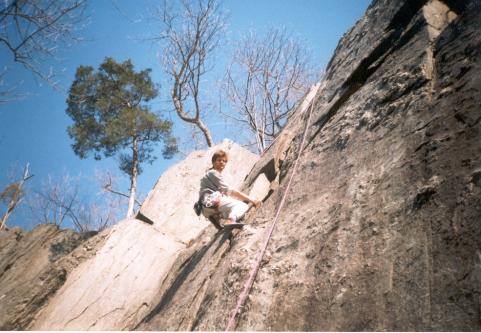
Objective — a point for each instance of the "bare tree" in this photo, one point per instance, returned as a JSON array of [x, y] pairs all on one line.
[[32, 31], [13, 194], [106, 210], [265, 80], [108, 183], [190, 32], [95, 216], [58, 202]]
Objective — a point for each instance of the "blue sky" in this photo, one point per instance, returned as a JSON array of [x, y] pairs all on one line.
[[33, 129]]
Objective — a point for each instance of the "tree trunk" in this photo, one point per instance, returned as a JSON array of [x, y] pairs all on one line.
[[179, 108], [16, 198], [10, 208], [133, 178], [206, 132]]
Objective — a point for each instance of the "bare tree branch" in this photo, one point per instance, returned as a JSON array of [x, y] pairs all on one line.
[[189, 37], [108, 187], [58, 202], [54, 202], [7, 94], [13, 194], [266, 78], [33, 31]]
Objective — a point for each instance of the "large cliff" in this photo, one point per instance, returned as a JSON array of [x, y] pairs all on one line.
[[381, 228]]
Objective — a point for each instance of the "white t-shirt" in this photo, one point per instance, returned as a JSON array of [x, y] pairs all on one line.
[[213, 181]]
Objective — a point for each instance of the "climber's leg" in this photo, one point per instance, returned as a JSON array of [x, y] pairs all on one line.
[[215, 222], [213, 216], [232, 209]]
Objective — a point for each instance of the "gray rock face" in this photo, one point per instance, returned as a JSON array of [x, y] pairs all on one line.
[[380, 231], [32, 268], [382, 226]]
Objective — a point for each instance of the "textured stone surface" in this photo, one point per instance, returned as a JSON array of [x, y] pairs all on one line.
[[110, 290], [381, 229], [32, 269], [261, 187]]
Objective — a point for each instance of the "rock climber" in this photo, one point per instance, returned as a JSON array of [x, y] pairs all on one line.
[[218, 199]]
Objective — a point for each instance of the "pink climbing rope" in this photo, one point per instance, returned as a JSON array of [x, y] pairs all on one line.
[[250, 281]]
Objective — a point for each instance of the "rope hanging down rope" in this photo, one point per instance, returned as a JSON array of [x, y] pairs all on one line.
[[248, 285]]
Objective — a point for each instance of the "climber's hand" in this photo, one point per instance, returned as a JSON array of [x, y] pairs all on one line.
[[256, 203]]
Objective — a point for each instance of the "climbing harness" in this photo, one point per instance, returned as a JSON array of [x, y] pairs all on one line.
[[212, 200], [250, 281]]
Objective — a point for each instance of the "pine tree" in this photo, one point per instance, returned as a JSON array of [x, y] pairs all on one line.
[[112, 117]]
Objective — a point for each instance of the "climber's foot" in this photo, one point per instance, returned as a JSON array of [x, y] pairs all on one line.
[[232, 225]]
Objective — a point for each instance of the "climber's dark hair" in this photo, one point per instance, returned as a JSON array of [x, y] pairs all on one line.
[[219, 154]]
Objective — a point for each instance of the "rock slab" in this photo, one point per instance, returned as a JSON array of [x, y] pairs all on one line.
[[33, 267]]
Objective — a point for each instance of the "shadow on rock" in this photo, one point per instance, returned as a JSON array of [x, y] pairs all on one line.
[[184, 271]]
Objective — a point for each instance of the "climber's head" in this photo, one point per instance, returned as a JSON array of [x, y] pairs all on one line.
[[219, 160]]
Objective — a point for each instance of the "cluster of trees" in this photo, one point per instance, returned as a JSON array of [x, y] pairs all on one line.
[[266, 77], [111, 106], [58, 201]]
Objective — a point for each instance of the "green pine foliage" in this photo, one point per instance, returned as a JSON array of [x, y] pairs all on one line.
[[111, 115]]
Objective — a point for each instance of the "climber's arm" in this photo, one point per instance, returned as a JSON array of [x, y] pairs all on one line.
[[244, 197]]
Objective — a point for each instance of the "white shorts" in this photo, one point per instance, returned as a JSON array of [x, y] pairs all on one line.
[[231, 208]]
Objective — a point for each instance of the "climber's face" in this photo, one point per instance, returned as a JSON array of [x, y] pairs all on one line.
[[219, 163]]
